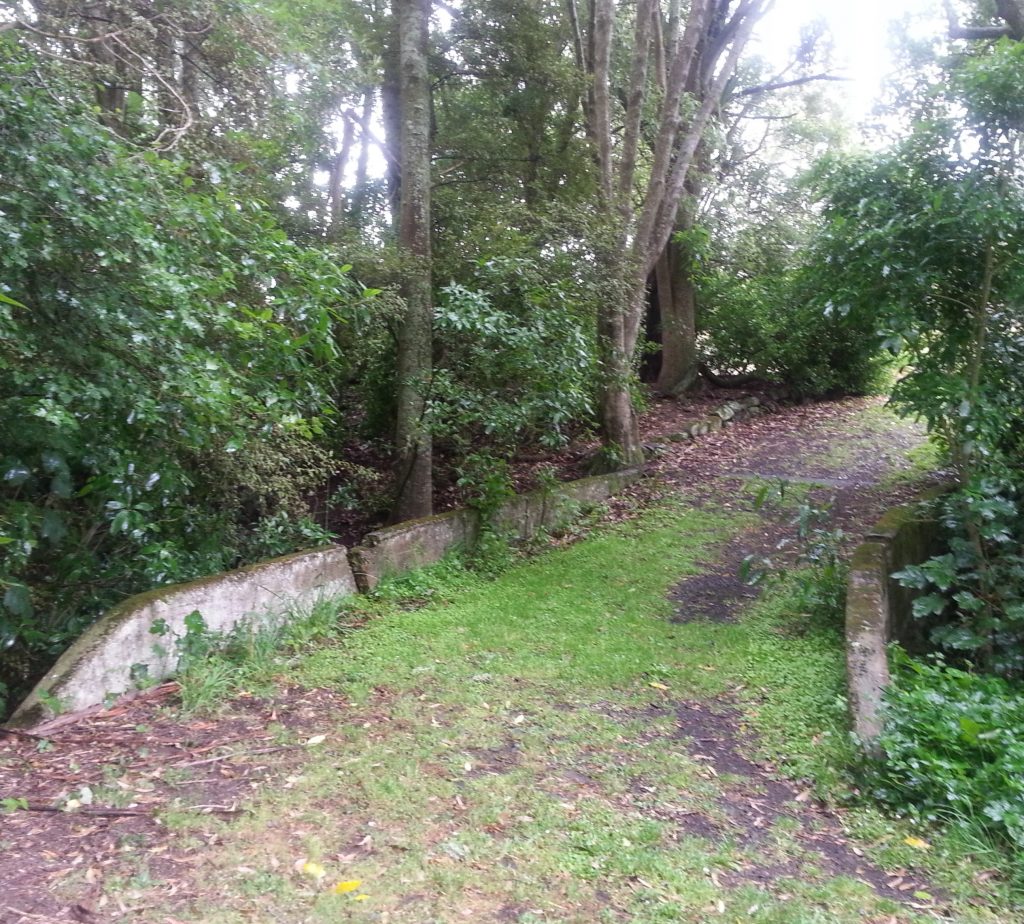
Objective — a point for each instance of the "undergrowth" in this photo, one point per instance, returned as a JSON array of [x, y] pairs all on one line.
[[526, 721], [214, 667], [954, 754]]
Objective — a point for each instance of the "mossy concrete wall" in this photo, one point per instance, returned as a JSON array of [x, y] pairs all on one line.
[[410, 545], [879, 609], [102, 662], [415, 543]]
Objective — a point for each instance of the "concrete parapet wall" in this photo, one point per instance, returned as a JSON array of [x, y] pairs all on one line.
[[410, 545], [879, 609], [101, 662], [415, 543]]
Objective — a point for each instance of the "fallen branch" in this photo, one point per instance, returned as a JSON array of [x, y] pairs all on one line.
[[728, 381], [213, 760], [72, 718], [118, 812]]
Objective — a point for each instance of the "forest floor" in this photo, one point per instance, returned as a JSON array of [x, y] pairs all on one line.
[[614, 729]]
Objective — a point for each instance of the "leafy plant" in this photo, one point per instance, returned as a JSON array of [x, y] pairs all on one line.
[[771, 326], [954, 749], [214, 666], [167, 356], [487, 482], [519, 362], [928, 239], [973, 595], [812, 556]]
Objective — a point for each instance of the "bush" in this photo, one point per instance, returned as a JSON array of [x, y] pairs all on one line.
[[519, 363], [954, 746], [166, 367], [775, 327], [819, 579], [973, 595]]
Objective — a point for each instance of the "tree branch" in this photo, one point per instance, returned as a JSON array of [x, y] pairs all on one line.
[[783, 84], [635, 102], [972, 33]]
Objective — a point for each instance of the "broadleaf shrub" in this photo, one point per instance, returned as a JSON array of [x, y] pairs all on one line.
[[166, 364], [954, 748], [775, 327], [519, 363]]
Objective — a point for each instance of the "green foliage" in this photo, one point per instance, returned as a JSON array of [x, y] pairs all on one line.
[[954, 749], [772, 326], [816, 548], [929, 238], [487, 480], [166, 363], [519, 363], [972, 597], [213, 667]]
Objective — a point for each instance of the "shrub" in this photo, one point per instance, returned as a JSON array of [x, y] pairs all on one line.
[[166, 357], [519, 363], [973, 595], [776, 328], [815, 548], [954, 746]]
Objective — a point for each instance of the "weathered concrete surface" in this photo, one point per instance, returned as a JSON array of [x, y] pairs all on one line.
[[412, 544], [101, 661], [879, 610], [867, 638], [524, 516], [416, 543]]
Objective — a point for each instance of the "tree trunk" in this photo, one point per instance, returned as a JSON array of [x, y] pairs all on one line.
[[111, 83], [415, 340], [677, 302], [710, 43], [359, 187], [391, 106], [679, 364], [619, 425], [336, 182]]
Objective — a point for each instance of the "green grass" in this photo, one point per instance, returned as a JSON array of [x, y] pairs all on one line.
[[506, 749], [583, 616]]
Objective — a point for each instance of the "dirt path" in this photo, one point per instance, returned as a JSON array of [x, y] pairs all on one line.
[[554, 745]]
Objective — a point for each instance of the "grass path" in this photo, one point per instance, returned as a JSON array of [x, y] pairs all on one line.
[[565, 742]]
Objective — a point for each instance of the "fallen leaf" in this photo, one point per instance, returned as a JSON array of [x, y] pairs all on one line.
[[315, 740], [657, 686], [917, 843], [349, 885]]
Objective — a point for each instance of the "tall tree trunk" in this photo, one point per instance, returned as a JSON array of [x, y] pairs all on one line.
[[679, 311], [415, 339], [362, 164], [391, 106], [111, 84], [678, 307], [711, 42], [619, 425]]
